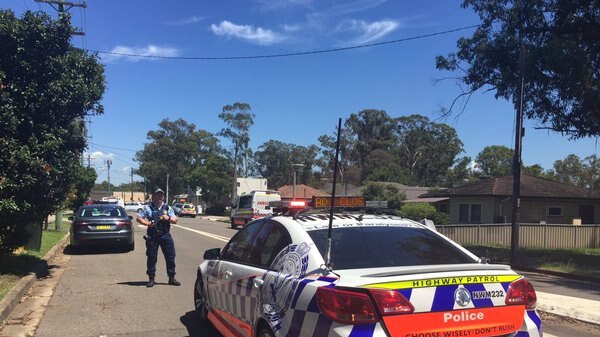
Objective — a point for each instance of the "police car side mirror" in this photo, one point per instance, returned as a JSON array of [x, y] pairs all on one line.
[[212, 254]]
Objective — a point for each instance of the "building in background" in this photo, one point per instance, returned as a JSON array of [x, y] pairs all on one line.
[[247, 185]]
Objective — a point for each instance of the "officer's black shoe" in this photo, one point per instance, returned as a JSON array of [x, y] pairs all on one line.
[[173, 281], [151, 282]]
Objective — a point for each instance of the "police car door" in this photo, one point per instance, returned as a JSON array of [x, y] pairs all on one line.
[[244, 277]]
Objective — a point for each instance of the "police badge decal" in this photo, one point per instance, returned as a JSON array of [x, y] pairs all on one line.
[[279, 286]]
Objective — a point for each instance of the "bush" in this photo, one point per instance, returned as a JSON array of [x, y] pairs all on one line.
[[215, 210], [420, 210]]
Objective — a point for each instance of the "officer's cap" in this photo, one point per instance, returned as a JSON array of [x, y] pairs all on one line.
[[158, 190]]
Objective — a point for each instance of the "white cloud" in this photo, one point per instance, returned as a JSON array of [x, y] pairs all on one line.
[[245, 32], [101, 157], [188, 21], [292, 28], [369, 32], [135, 54]]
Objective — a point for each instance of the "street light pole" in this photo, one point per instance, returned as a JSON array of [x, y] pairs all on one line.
[[294, 166]]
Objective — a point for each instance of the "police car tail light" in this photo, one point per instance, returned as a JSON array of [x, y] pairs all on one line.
[[297, 204], [347, 307], [391, 302], [521, 292]]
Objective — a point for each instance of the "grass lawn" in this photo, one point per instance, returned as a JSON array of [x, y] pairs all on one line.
[[18, 265], [572, 261]]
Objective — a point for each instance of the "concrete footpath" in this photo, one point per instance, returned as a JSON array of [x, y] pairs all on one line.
[[565, 306]]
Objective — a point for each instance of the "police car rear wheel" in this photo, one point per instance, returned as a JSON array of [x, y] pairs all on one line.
[[265, 332], [200, 299]]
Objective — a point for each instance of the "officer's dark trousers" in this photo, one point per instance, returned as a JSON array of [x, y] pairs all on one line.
[[168, 248]]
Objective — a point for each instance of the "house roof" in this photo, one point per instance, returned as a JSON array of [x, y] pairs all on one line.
[[302, 192], [411, 192], [530, 187]]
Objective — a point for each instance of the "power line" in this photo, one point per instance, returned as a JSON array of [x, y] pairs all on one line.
[[323, 51], [112, 147]]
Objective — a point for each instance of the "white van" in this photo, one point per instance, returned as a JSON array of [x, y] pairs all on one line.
[[253, 205]]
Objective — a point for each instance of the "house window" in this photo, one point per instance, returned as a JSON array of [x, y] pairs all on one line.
[[476, 213], [469, 213], [444, 209], [555, 211], [463, 213]]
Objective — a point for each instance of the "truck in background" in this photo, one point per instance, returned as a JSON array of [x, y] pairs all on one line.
[[253, 205]]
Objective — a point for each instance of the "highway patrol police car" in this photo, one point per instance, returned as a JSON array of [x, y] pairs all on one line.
[[387, 276]]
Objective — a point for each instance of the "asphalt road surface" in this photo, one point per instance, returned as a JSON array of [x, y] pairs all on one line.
[[102, 293]]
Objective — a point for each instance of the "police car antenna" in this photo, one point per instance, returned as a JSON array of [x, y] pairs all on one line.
[[335, 169]]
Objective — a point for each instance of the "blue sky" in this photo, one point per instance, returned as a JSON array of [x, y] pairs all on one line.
[[295, 99]]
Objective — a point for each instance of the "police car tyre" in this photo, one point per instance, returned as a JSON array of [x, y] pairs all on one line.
[[131, 247], [233, 225], [265, 332], [200, 299]]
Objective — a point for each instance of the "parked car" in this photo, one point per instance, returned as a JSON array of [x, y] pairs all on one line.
[[187, 210], [134, 206], [177, 208], [102, 224], [386, 277]]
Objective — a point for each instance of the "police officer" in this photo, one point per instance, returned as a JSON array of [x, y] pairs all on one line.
[[158, 217]]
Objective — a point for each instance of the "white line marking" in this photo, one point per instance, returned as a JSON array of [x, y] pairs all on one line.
[[210, 235]]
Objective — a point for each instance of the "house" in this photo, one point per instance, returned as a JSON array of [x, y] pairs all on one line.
[[542, 201], [411, 192], [302, 192]]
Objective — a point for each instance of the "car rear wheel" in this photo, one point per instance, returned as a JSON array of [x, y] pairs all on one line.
[[265, 332], [233, 225], [200, 299]]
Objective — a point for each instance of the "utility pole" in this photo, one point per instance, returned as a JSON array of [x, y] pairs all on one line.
[[61, 8], [167, 199], [108, 163], [132, 184], [516, 197], [294, 166]]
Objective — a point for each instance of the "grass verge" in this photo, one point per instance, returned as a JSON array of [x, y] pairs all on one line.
[[17, 265], [585, 262]]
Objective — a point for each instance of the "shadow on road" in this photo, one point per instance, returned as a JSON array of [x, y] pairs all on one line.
[[196, 327], [93, 250]]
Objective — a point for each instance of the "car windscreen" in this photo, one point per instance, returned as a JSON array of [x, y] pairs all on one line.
[[386, 246], [101, 212]]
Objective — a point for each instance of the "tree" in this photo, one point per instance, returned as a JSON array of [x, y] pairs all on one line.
[[44, 97], [327, 158], [184, 153], [275, 161], [369, 130], [495, 160], [82, 186], [575, 171], [239, 120], [562, 62], [426, 150], [459, 173], [384, 192]]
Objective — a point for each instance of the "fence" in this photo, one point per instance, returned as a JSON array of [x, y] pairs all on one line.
[[548, 236]]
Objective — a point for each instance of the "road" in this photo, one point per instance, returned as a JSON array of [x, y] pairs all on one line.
[[103, 293]]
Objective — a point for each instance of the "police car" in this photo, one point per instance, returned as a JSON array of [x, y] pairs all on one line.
[[365, 275]]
